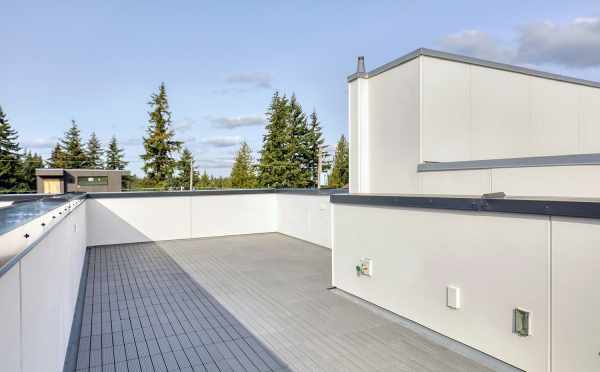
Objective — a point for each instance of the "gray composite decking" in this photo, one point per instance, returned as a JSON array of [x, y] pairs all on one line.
[[243, 303]]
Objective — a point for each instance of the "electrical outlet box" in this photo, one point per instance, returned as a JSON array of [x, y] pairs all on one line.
[[366, 267], [453, 297], [522, 322]]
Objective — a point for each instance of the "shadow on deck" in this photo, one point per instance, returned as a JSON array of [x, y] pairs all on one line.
[[243, 303]]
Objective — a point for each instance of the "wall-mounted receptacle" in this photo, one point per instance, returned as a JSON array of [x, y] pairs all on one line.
[[522, 322], [453, 297], [365, 267]]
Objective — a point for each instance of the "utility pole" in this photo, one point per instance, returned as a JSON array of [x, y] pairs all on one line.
[[191, 174], [319, 167]]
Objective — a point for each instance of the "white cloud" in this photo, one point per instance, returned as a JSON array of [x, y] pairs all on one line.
[[232, 122], [184, 125], [574, 44], [256, 79], [477, 44], [214, 162], [40, 143], [224, 141]]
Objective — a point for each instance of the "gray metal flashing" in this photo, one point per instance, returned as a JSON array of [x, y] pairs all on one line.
[[22, 197], [149, 194], [574, 207], [17, 258], [472, 61], [532, 161]]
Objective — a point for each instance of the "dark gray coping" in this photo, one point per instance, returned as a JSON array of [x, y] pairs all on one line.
[[563, 207], [16, 258], [150, 194], [532, 161], [472, 61], [21, 197]]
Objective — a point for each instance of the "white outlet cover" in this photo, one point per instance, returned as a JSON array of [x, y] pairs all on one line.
[[453, 297]]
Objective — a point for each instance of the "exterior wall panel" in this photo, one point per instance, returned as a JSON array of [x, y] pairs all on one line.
[[393, 130], [499, 262], [575, 299], [305, 217]]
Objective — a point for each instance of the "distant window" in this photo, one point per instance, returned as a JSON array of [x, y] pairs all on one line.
[[92, 181]]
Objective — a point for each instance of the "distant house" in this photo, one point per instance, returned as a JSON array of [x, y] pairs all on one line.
[[59, 181]]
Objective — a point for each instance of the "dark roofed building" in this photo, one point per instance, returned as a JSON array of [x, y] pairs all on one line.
[[59, 181]]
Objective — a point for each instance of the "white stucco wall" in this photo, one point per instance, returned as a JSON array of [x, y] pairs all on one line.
[[306, 217], [499, 262], [472, 112], [38, 296], [138, 219], [384, 131], [575, 299]]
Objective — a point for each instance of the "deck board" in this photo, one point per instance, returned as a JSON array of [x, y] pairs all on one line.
[[244, 303]]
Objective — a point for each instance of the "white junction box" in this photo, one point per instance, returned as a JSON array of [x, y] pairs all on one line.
[[365, 267], [453, 297]]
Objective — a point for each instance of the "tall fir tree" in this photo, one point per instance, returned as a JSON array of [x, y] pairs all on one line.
[[275, 164], [94, 153], [340, 172], [185, 169], [114, 155], [71, 144], [242, 172], [315, 146], [30, 163], [299, 146], [57, 157], [160, 144], [10, 157]]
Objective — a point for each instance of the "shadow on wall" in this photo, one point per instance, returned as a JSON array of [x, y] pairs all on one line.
[[142, 310], [110, 228]]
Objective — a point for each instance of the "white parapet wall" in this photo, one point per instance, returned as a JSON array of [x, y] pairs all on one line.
[[498, 261], [305, 216], [39, 289], [117, 218]]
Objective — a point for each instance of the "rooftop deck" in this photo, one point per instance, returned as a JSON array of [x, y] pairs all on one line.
[[244, 303]]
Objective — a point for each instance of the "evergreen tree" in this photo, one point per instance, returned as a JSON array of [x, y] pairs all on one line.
[[315, 145], [242, 172], [275, 164], [74, 155], [184, 167], [160, 145], [340, 173], [94, 153], [299, 146], [114, 156], [30, 163], [203, 181], [57, 157], [10, 157]]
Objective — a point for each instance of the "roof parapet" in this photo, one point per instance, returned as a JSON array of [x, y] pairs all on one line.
[[471, 61]]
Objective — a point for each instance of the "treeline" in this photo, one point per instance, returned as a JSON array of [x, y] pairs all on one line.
[[71, 152], [17, 167], [292, 154]]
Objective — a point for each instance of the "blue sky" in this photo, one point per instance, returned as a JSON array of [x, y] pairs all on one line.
[[98, 61]]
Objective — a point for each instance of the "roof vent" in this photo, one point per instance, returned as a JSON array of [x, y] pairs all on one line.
[[360, 66]]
